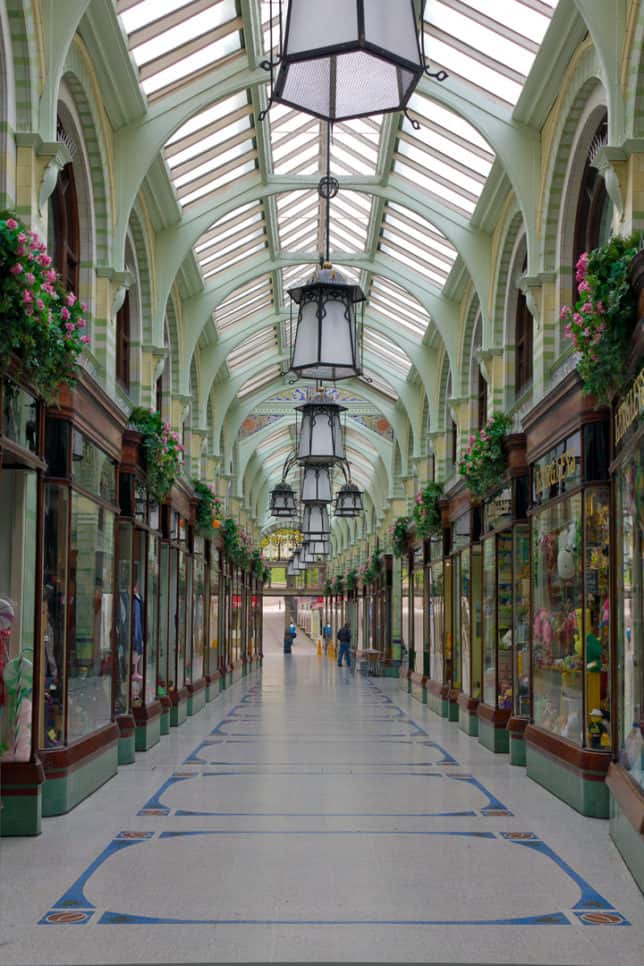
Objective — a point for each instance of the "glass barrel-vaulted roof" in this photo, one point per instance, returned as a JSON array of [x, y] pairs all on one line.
[[403, 179]]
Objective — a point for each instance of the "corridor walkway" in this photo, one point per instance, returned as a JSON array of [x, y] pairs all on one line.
[[310, 814]]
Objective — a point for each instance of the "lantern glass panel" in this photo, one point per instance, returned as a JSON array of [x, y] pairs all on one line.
[[326, 338], [315, 519], [316, 485], [321, 439], [331, 71]]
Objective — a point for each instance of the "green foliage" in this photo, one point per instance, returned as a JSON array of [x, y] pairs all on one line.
[[328, 587], [484, 460], [400, 536], [371, 570], [338, 585], [209, 509], [43, 325], [427, 514], [600, 325], [162, 448], [237, 544], [352, 580]]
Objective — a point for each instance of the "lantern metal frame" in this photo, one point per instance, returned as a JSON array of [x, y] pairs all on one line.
[[316, 331], [316, 524], [321, 548], [320, 406], [288, 60], [287, 511], [321, 487], [348, 501]]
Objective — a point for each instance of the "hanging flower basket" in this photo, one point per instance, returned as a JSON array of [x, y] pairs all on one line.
[[399, 533], [237, 544], [372, 570], [328, 588], [484, 460], [352, 580], [338, 586], [162, 450], [210, 509], [427, 514], [600, 325], [43, 326]]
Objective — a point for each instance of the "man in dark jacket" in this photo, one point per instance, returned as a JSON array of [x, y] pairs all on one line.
[[344, 639]]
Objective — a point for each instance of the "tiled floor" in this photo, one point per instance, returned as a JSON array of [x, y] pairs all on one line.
[[309, 814]]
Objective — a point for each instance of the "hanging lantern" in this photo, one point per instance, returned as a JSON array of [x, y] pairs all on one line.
[[308, 557], [349, 58], [283, 500], [320, 437], [316, 484], [319, 548], [290, 568], [315, 521], [328, 336], [348, 502]]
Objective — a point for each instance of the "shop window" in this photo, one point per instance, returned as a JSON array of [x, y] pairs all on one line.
[[594, 214], [123, 344], [523, 341], [482, 400], [65, 228]]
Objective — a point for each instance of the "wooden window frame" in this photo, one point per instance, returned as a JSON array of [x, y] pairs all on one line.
[[123, 339]]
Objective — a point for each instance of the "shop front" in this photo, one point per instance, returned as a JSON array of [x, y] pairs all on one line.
[[505, 597], [215, 679], [438, 574], [25, 680], [466, 609], [175, 608], [138, 602], [79, 740], [568, 745], [626, 774]]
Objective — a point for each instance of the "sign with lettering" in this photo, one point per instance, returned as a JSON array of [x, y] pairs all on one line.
[[630, 409], [558, 471], [498, 509]]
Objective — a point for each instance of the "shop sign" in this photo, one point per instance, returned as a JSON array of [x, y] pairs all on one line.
[[558, 471], [630, 409], [498, 510]]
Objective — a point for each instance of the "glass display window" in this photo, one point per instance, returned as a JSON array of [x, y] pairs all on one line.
[[476, 612], [406, 630], [91, 617], [214, 631], [20, 416], [571, 618], [456, 674], [173, 618], [124, 620], [139, 636], [629, 553], [419, 613], [151, 602], [199, 614], [54, 624], [436, 618], [521, 620], [18, 583], [164, 619]]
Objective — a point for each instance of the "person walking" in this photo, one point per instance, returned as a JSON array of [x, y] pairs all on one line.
[[344, 639], [326, 636]]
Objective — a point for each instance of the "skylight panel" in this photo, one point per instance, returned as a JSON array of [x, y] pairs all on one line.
[[377, 382], [385, 349], [268, 375], [253, 348], [394, 304], [244, 302], [213, 149], [490, 46], [173, 42], [416, 243]]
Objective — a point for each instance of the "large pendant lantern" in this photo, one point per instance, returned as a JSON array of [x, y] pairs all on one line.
[[328, 336], [348, 502], [283, 500], [315, 521], [316, 484], [319, 548], [320, 438], [349, 58]]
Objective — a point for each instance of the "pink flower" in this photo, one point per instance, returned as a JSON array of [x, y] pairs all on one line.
[[65, 313], [83, 307], [44, 260], [22, 238], [29, 311], [568, 331], [40, 304], [565, 312], [27, 297], [584, 287], [71, 299], [472, 439], [70, 327], [30, 278], [51, 275], [85, 339], [484, 435], [180, 448], [12, 223], [81, 325], [16, 269], [601, 308], [587, 308], [577, 319], [587, 333]]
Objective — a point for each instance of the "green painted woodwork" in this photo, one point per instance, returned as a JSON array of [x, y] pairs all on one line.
[[629, 842], [149, 734], [452, 711], [588, 797], [517, 749], [196, 701], [179, 713], [60, 795], [127, 749], [21, 815], [494, 739], [468, 722], [165, 722]]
